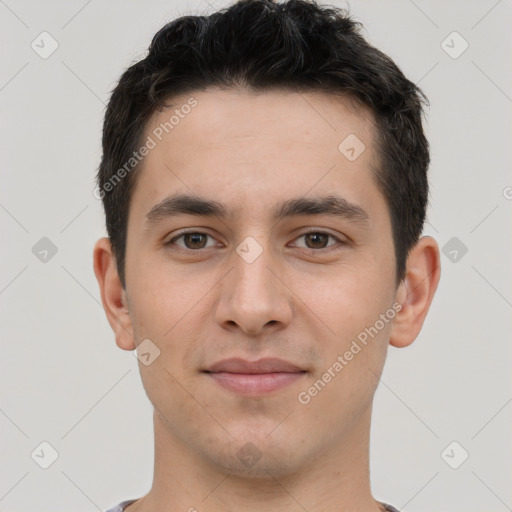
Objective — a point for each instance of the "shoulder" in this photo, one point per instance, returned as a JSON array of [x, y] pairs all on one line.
[[121, 506], [390, 508]]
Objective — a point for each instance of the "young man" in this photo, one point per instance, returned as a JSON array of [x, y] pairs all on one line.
[[264, 178]]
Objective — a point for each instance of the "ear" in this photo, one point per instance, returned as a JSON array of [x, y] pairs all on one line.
[[416, 291], [113, 295]]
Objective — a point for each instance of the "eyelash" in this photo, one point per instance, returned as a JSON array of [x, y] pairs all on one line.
[[329, 247]]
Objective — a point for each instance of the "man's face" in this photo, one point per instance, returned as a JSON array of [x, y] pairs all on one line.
[[250, 285]]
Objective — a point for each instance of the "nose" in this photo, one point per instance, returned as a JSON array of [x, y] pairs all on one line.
[[254, 297]]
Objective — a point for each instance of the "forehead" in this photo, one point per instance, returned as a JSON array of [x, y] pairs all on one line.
[[250, 149], [220, 116]]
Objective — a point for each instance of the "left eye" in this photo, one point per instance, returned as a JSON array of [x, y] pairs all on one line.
[[196, 240], [318, 239]]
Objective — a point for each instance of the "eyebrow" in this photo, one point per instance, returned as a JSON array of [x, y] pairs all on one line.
[[184, 204]]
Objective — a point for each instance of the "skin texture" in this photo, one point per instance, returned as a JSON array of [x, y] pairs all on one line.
[[302, 299]]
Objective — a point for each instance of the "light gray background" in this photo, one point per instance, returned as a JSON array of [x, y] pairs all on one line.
[[63, 379]]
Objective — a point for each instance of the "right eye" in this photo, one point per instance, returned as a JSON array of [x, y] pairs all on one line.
[[192, 240]]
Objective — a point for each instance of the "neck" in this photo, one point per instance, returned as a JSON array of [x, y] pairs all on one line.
[[338, 480]]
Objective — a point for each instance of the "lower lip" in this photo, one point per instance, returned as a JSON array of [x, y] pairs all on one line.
[[255, 383]]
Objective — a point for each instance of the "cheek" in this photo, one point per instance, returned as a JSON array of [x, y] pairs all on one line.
[[170, 310], [357, 308], [162, 300], [348, 299]]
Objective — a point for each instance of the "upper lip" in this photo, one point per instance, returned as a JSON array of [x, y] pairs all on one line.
[[267, 365]]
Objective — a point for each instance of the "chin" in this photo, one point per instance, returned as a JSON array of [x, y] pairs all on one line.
[[259, 456], [266, 468]]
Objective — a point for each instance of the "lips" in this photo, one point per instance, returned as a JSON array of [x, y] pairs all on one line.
[[268, 365], [254, 378]]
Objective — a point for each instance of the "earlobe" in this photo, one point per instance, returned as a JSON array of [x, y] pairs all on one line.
[[416, 291], [113, 295]]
